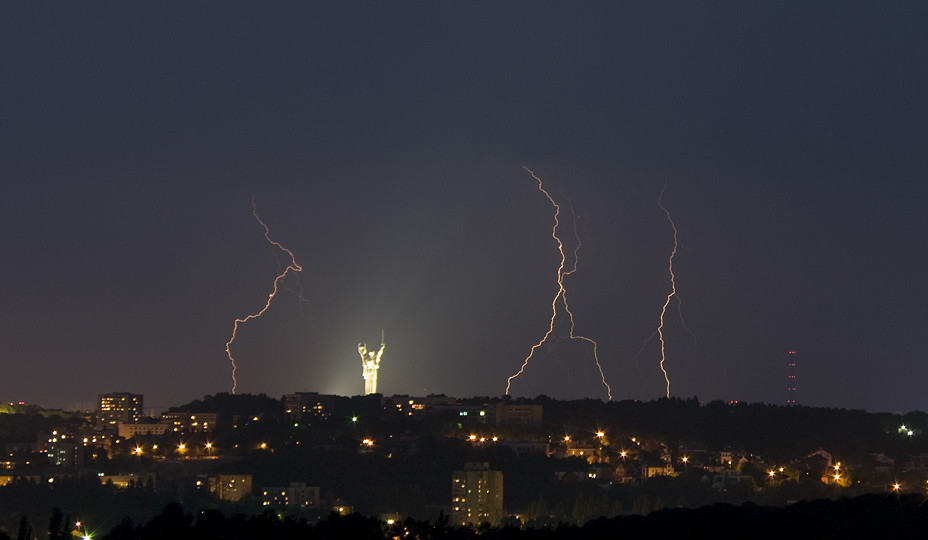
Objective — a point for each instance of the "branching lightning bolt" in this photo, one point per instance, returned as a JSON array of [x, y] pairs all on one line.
[[561, 295], [292, 267]]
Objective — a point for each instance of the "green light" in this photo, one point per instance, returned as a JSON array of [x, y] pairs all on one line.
[[354, 418]]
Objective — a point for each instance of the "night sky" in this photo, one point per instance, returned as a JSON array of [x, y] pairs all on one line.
[[383, 143]]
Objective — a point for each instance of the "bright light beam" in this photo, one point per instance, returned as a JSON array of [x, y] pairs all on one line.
[[561, 295], [292, 267]]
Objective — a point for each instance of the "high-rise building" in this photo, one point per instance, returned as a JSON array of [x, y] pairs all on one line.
[[476, 495], [118, 407]]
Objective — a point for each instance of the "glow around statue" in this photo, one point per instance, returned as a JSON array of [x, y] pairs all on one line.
[[370, 363]]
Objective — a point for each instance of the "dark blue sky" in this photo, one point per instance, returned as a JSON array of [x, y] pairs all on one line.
[[383, 144]]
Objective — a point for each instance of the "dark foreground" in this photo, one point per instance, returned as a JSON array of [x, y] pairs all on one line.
[[869, 516]]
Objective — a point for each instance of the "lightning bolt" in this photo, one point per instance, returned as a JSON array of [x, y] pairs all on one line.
[[292, 267], [674, 294], [673, 288], [561, 295]]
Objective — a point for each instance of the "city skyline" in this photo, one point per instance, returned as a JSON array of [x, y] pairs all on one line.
[[384, 146]]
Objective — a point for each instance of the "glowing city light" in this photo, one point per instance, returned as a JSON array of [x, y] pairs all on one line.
[[561, 295], [292, 267]]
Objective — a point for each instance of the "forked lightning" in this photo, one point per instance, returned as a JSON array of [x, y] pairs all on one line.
[[561, 295]]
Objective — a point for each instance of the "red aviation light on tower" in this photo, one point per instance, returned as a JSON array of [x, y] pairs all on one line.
[[791, 379]]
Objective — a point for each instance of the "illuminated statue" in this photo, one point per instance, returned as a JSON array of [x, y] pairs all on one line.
[[370, 363]]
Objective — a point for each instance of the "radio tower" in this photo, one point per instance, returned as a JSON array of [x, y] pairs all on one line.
[[791, 379]]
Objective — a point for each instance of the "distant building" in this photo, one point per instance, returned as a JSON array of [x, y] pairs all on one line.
[[650, 471], [65, 447], [476, 495], [589, 453], [62, 448], [66, 455], [310, 405], [525, 446], [230, 487], [127, 431], [189, 422], [463, 413], [518, 414], [128, 479], [475, 414], [296, 495], [405, 405], [118, 407]]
